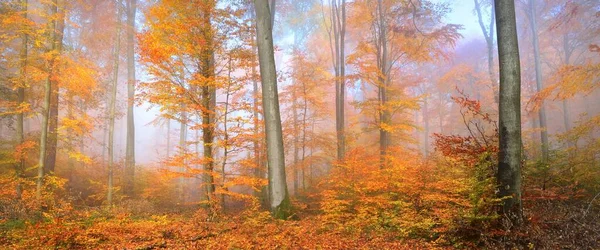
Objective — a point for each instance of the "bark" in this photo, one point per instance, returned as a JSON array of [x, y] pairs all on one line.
[[112, 106], [338, 23], [538, 80], [279, 199], [382, 66], [54, 92], [208, 102], [20, 167], [46, 107], [509, 158], [129, 186]]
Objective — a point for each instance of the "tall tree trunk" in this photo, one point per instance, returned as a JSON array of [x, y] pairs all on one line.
[[489, 40], [208, 100], [20, 167], [46, 110], [426, 120], [296, 146], [338, 23], [54, 92], [183, 152], [129, 184], [382, 65], [225, 133], [538, 80], [278, 193], [509, 158], [113, 100]]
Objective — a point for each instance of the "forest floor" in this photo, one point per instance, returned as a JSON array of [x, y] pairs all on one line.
[[551, 225]]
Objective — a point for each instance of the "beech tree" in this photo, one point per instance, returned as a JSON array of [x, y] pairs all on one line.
[[279, 199], [509, 124]]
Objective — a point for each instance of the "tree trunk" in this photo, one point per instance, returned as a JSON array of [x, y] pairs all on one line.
[[279, 199], [489, 40], [183, 148], [20, 167], [338, 23], [296, 135], [129, 185], [112, 105], [382, 65], [46, 110], [208, 103], [538, 80], [426, 120], [54, 92], [509, 158]]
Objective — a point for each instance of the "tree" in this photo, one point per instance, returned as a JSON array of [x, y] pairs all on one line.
[[55, 90], [337, 44], [488, 34], [54, 46], [112, 104], [509, 156], [538, 78], [278, 193], [130, 148], [21, 98]]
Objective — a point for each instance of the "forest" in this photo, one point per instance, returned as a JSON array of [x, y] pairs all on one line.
[[299, 124]]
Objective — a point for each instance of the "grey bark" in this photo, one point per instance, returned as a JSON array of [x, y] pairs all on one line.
[[279, 199], [128, 186], [509, 158]]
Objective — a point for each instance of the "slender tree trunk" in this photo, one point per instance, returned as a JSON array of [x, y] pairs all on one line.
[[304, 135], [183, 152], [129, 184], [426, 120], [208, 102], [338, 23], [54, 93], [225, 133], [296, 142], [20, 173], [489, 40], [113, 100], [46, 110], [538, 80], [279, 199], [509, 158], [382, 64], [258, 171]]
